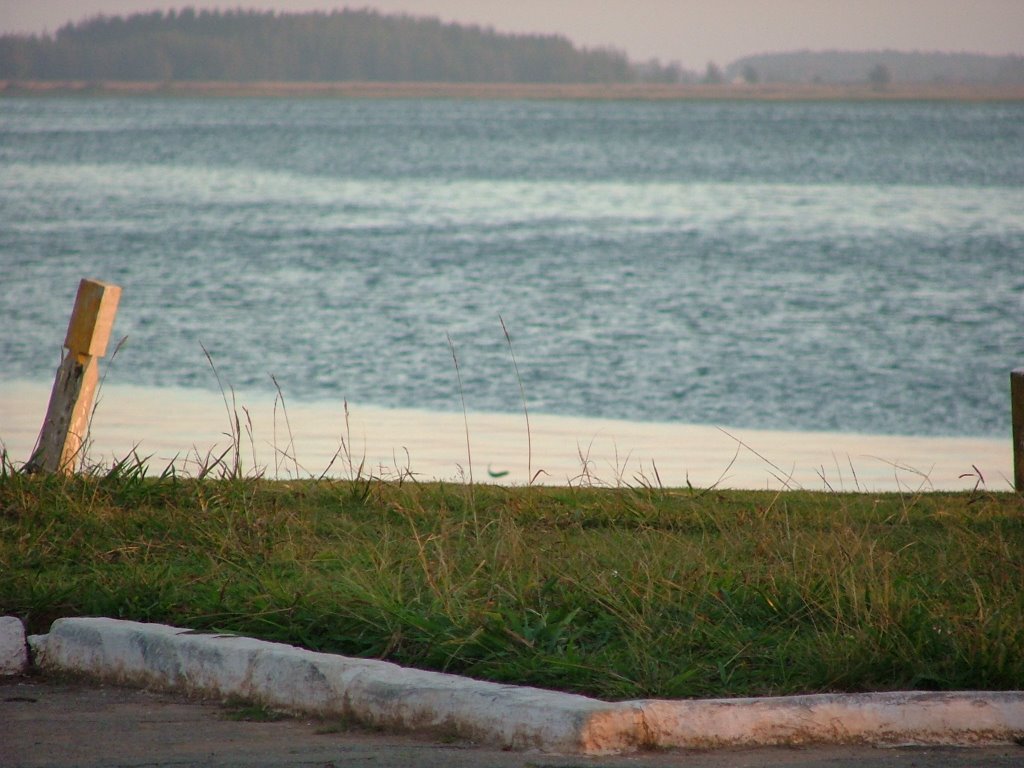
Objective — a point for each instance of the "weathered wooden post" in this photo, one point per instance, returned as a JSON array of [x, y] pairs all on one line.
[[67, 417], [1017, 418]]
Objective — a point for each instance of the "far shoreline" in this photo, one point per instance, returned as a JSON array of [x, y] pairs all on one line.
[[864, 92]]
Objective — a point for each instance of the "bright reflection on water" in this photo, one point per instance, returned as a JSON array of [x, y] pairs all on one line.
[[830, 266]]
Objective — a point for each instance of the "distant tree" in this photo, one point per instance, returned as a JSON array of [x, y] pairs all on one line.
[[855, 66], [713, 75], [879, 76], [1011, 70], [750, 74], [653, 71], [340, 45]]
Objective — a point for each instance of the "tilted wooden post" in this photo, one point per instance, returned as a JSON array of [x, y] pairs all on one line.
[[1017, 417], [67, 417]]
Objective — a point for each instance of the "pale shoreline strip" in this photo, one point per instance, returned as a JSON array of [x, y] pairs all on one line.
[[164, 423], [356, 89]]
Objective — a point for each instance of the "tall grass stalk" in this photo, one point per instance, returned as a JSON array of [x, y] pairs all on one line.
[[234, 433], [465, 419], [526, 411], [289, 449]]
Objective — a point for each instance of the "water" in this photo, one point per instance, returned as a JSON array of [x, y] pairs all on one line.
[[832, 266]]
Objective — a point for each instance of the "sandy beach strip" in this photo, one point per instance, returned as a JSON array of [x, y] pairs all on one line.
[[539, 91], [188, 426]]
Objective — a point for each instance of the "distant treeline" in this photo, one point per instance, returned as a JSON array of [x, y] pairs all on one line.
[[338, 46], [363, 45], [891, 66]]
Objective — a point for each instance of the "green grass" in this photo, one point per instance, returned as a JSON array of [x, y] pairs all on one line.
[[241, 711], [615, 592]]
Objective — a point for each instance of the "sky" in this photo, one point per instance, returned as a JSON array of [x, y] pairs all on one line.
[[691, 32]]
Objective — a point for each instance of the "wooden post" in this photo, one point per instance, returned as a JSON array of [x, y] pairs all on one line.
[[1017, 418], [67, 417]]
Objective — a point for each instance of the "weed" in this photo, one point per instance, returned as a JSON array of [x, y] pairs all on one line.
[[526, 412], [465, 418], [252, 713]]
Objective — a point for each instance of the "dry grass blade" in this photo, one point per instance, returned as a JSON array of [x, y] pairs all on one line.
[[465, 413], [289, 451], [522, 394], [786, 478], [234, 423]]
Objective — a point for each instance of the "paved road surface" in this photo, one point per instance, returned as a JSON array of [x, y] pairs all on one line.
[[64, 724]]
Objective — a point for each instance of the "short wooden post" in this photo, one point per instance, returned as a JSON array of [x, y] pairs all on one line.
[[67, 417], [1017, 418]]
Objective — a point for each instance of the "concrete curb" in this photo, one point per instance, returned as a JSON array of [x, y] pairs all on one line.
[[373, 692], [383, 694], [13, 650]]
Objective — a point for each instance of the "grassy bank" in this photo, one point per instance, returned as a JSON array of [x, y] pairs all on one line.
[[618, 593]]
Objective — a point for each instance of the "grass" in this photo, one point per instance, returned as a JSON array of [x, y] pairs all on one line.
[[613, 592], [242, 711]]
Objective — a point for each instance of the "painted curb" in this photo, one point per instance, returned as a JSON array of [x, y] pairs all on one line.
[[383, 694], [13, 650], [374, 692], [909, 717]]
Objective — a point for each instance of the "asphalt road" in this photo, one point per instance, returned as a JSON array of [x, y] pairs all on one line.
[[60, 724]]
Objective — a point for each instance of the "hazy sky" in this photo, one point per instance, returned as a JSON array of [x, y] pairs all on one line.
[[692, 32]]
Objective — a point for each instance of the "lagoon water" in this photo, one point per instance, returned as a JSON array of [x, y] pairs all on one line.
[[850, 267]]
